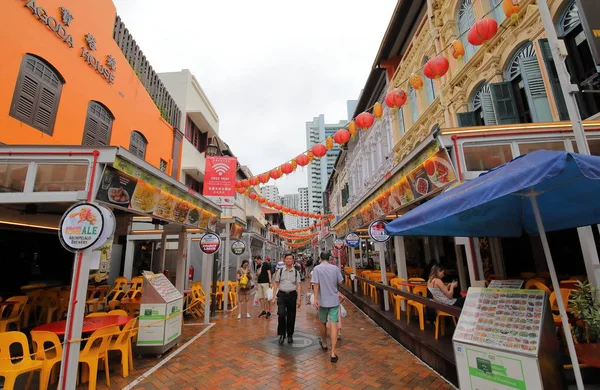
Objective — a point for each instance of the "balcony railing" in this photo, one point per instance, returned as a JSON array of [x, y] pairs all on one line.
[[149, 78]]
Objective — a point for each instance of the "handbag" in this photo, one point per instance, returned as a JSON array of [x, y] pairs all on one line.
[[343, 311], [270, 294]]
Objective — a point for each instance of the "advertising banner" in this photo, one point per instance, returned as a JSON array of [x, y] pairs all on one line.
[[219, 179]]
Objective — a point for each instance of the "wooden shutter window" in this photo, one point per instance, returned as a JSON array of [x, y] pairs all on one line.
[[535, 89], [36, 95], [467, 119], [559, 98], [98, 126], [504, 103], [137, 144]]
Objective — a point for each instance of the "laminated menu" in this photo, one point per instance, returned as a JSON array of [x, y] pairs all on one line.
[[164, 287], [503, 319], [514, 284]]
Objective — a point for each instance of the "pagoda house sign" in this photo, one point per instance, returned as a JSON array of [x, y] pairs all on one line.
[[51, 22]]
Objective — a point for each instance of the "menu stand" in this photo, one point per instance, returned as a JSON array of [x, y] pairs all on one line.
[[506, 339], [160, 315]]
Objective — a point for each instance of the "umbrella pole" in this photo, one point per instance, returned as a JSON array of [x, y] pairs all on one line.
[[559, 301]]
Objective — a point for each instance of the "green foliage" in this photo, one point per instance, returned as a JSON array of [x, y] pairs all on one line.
[[586, 303]]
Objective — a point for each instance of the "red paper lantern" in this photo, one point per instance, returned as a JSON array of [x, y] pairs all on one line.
[[511, 9], [302, 160], [253, 195], [396, 98], [278, 206], [341, 136], [436, 67], [286, 209], [482, 31], [241, 190], [244, 183], [293, 212], [287, 168], [261, 200], [264, 178], [364, 120], [319, 150], [270, 204], [253, 181], [275, 174]]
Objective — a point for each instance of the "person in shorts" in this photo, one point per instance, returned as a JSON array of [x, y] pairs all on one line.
[[263, 280], [325, 279]]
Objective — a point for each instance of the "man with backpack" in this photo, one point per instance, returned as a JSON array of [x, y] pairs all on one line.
[[287, 291]]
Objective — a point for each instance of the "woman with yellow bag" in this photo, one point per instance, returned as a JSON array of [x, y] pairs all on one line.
[[245, 285]]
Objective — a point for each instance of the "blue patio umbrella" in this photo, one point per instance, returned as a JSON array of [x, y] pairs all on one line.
[[538, 192]]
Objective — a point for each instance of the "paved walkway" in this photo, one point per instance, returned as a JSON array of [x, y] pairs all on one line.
[[243, 354]]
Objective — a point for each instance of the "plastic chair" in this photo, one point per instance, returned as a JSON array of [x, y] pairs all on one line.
[[119, 312], [565, 294], [14, 316], [50, 355], [123, 344], [233, 294], [96, 348], [11, 369], [31, 307], [440, 320], [50, 306], [398, 299], [365, 274], [136, 284], [97, 299], [536, 284], [373, 289], [419, 307], [97, 314], [63, 303]]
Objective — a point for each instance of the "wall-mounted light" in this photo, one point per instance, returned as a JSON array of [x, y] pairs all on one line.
[[212, 149]]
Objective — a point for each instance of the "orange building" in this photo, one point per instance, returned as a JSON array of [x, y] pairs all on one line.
[[71, 74]]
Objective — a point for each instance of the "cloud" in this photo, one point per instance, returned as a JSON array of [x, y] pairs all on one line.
[[267, 66]]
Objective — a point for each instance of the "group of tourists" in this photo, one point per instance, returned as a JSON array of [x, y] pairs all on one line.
[[282, 286]]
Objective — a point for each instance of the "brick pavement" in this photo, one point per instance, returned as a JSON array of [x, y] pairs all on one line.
[[243, 354]]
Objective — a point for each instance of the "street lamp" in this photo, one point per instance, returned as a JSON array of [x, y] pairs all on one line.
[[212, 149]]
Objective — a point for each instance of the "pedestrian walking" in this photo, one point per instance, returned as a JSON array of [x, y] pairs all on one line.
[[263, 284], [325, 279], [244, 279], [288, 290], [339, 323]]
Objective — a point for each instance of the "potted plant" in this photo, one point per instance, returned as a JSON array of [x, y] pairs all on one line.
[[586, 303]]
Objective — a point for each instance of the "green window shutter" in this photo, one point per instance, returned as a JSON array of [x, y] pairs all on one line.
[[504, 103], [535, 89], [554, 80], [487, 106], [466, 119]]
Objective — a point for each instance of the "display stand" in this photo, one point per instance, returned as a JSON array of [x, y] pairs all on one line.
[[160, 315], [503, 339]]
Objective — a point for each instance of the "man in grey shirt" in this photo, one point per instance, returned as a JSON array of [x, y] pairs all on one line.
[[325, 279]]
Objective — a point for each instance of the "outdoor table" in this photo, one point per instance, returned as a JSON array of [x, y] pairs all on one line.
[[588, 354], [90, 324]]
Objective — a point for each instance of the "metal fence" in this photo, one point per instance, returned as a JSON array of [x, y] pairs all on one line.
[[149, 78]]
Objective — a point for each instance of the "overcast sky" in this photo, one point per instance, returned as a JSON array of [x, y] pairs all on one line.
[[267, 66]]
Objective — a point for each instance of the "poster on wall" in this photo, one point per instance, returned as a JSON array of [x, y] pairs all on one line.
[[219, 179], [100, 262]]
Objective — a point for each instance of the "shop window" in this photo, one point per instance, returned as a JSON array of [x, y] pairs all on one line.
[[482, 109], [497, 11], [60, 177], [593, 144], [401, 121], [466, 19], [98, 125], [193, 134], [557, 91], [525, 148], [414, 104], [138, 144], [12, 177], [193, 184], [580, 62], [163, 165], [36, 96], [429, 86], [486, 157]]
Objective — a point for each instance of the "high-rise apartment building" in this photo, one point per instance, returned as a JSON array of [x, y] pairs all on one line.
[[320, 168], [291, 201], [303, 200], [271, 193]]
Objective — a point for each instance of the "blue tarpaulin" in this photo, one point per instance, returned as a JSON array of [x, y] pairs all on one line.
[[496, 203]]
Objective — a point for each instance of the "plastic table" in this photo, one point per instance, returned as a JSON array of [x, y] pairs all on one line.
[[90, 324]]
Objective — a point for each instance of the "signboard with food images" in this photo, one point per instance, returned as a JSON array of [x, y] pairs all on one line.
[[149, 195], [428, 173]]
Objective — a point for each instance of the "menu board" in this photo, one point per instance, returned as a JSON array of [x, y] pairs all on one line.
[[511, 284], [164, 287], [502, 319], [122, 190]]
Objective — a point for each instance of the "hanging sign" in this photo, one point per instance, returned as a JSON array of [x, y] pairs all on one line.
[[82, 226], [238, 247], [338, 244], [219, 179], [377, 231], [352, 240], [210, 243]]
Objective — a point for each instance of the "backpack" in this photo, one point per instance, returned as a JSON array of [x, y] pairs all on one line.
[[281, 271]]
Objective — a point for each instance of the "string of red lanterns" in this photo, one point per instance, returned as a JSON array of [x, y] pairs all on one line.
[[279, 207]]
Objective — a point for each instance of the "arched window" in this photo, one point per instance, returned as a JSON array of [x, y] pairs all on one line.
[[580, 61], [36, 96], [429, 86], [497, 11], [525, 77], [137, 144], [466, 18], [414, 106], [98, 125], [481, 104], [401, 125]]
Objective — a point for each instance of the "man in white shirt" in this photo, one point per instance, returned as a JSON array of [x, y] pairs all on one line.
[[288, 290]]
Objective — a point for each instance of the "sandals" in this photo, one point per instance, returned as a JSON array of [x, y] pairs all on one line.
[[324, 348], [334, 359]]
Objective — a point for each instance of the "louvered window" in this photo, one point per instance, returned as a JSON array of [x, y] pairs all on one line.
[[36, 96], [466, 19], [98, 125], [137, 144]]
